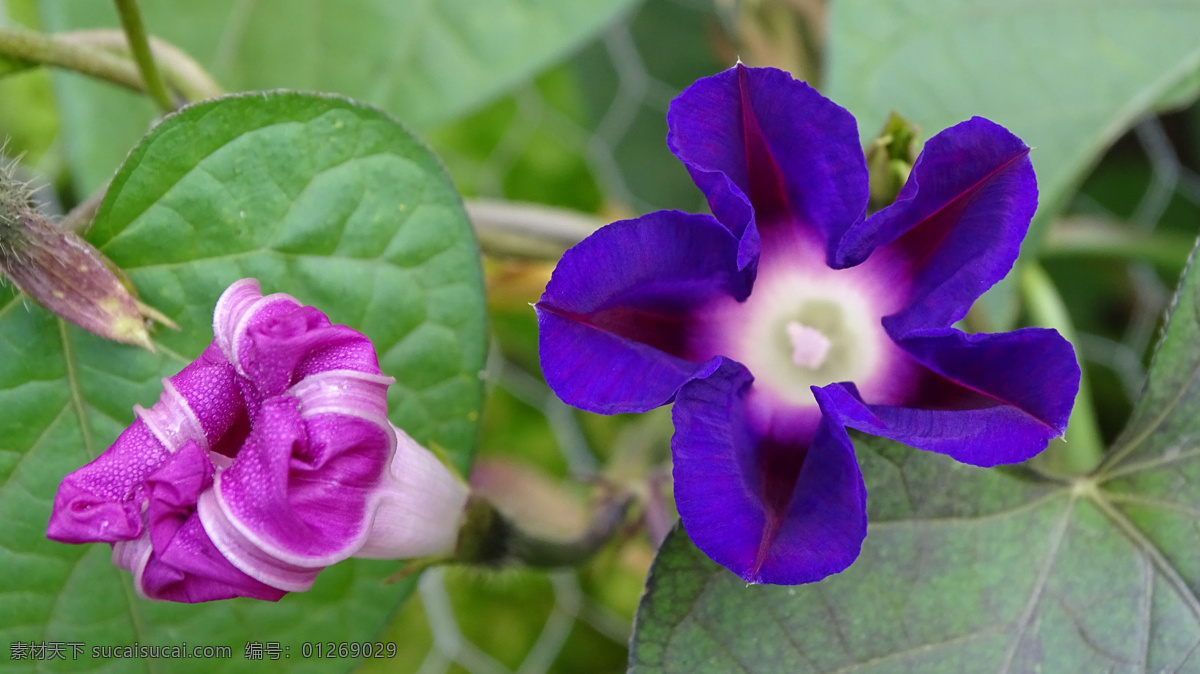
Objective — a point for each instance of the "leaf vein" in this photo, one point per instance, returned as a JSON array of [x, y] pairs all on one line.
[[1057, 534], [76, 397], [1142, 542]]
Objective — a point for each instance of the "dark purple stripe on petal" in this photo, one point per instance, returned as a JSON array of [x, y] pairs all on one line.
[[989, 436], [757, 136], [1032, 369], [956, 226], [782, 505], [604, 373], [826, 521], [618, 316], [988, 399], [768, 191]]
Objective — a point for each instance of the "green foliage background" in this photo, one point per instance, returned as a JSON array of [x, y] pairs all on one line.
[[564, 103]]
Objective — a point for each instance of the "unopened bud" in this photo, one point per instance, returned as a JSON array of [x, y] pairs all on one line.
[[63, 273], [890, 158]]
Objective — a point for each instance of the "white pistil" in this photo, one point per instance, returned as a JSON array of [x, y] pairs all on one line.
[[810, 346]]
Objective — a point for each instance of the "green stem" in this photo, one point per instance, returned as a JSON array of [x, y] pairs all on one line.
[[32, 47], [139, 45], [80, 218], [1082, 448], [1091, 237], [181, 72], [528, 231], [105, 54], [489, 538]]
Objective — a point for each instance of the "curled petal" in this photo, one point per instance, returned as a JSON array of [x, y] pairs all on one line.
[[277, 494], [175, 560], [324, 476], [197, 571], [246, 553], [773, 502], [241, 302], [957, 224], [769, 151], [614, 322], [275, 342], [102, 501]]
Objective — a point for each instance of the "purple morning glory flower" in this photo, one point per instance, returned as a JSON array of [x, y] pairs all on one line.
[[788, 316], [267, 459]]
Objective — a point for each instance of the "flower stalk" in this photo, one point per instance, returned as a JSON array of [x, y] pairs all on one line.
[[36, 48], [1082, 447], [139, 46], [180, 72], [489, 538], [105, 55]]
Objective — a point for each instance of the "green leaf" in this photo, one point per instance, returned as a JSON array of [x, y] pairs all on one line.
[[425, 61], [964, 566], [1066, 79], [28, 118], [319, 197], [9, 66]]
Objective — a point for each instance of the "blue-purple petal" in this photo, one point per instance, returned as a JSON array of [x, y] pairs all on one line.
[[781, 510], [957, 224], [614, 320], [768, 150], [989, 399]]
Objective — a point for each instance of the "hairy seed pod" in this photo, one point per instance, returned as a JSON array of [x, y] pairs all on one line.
[[62, 272]]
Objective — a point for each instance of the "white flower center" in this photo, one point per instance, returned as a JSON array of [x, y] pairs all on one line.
[[807, 325], [809, 345]]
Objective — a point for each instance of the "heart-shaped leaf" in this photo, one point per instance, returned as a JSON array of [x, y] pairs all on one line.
[[320, 197], [424, 61], [967, 569]]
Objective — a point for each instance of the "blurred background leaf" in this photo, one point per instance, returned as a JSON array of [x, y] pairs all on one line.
[[423, 61], [28, 117]]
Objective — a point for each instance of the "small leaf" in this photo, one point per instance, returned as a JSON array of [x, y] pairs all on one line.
[[319, 197], [966, 568]]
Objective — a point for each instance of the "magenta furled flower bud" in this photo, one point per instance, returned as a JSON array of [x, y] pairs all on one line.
[[267, 459]]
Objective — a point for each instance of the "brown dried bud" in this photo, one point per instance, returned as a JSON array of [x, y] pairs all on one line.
[[62, 272]]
